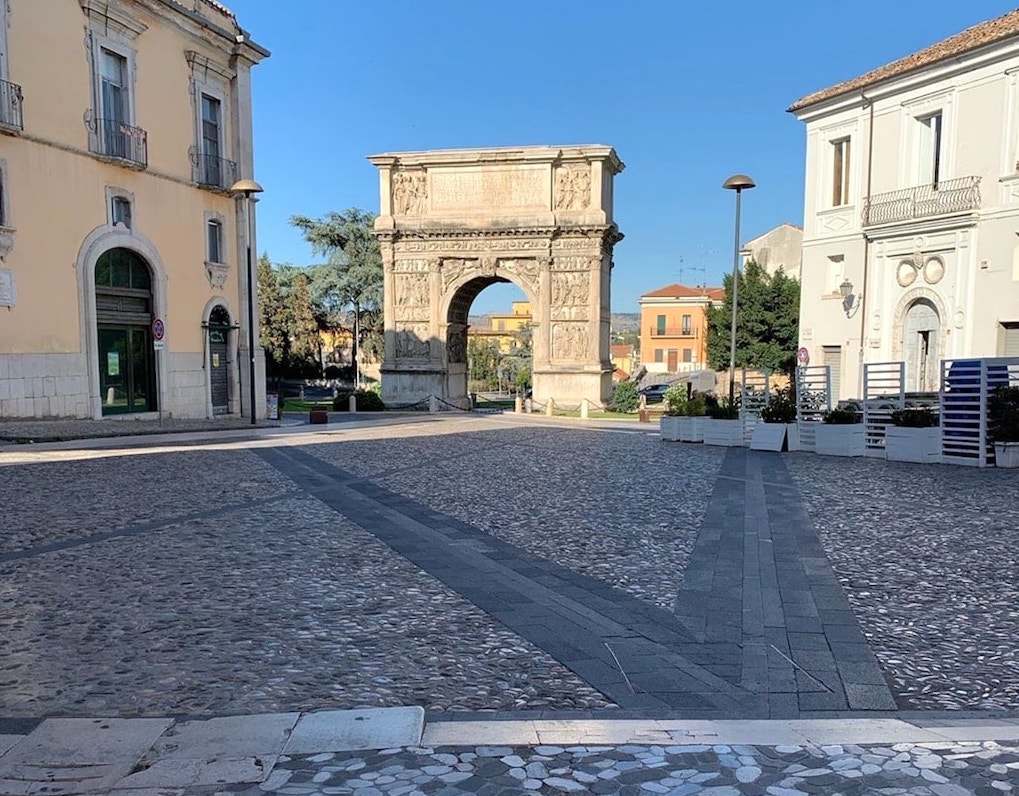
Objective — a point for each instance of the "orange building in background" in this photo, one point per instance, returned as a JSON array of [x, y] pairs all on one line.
[[674, 327]]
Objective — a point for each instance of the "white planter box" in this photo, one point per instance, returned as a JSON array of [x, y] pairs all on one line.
[[839, 440], [913, 444], [691, 429], [1006, 454], [723, 432], [668, 427], [792, 436], [768, 437]]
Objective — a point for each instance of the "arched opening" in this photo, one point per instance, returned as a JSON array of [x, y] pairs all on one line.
[[218, 330], [124, 302], [489, 338], [921, 344]]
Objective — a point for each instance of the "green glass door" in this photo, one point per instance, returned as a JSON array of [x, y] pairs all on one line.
[[126, 375]]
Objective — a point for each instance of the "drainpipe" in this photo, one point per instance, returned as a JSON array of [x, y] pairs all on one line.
[[866, 239]]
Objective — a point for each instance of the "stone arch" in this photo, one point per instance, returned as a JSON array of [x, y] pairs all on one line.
[[99, 241], [910, 300], [454, 222]]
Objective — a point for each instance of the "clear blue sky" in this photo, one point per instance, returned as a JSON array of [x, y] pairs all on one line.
[[687, 92]]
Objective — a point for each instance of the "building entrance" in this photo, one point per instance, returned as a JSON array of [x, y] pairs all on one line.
[[219, 370]]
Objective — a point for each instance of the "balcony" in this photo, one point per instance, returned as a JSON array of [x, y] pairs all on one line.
[[687, 332], [923, 201], [213, 172], [121, 142], [10, 107]]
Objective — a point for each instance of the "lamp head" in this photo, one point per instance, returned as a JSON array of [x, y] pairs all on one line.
[[246, 187], [846, 289], [738, 182]]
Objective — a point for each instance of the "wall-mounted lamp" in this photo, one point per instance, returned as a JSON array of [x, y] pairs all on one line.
[[850, 302]]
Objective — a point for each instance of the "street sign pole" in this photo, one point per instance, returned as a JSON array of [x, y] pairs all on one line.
[[159, 345]]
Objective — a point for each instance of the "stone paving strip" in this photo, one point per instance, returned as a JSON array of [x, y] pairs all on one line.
[[929, 558], [393, 751]]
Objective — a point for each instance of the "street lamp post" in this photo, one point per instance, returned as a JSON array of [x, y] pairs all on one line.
[[248, 188], [737, 183]]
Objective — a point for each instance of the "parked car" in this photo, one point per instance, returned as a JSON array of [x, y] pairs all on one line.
[[654, 393]]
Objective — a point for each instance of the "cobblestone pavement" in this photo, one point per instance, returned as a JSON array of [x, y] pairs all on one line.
[[948, 769], [929, 558], [500, 564]]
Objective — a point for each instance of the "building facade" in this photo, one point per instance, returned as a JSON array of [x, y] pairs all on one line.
[[674, 327], [505, 328], [778, 249], [124, 271], [911, 211]]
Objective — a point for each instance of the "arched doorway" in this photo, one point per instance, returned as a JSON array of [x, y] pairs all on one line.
[[127, 373], [921, 344], [218, 329]]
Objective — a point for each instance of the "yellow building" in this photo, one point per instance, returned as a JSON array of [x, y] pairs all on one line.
[[122, 125], [674, 327], [505, 328]]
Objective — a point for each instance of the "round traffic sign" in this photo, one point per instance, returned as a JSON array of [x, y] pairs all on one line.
[[158, 329], [803, 356]]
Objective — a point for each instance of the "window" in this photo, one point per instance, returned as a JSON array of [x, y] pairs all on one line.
[[660, 328], [3, 193], [214, 237], [688, 355], [686, 324], [113, 91], [659, 355], [120, 211], [840, 173], [213, 169], [930, 149], [211, 126]]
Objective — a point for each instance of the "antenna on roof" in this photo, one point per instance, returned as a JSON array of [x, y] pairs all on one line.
[[681, 269]]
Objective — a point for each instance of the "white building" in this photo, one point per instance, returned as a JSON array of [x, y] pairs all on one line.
[[911, 211], [780, 248]]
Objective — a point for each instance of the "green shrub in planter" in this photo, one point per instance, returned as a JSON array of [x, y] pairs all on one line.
[[367, 401], [781, 408], [723, 409], [919, 417], [842, 417], [1003, 414]]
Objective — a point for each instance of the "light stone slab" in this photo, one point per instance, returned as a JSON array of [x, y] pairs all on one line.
[[8, 742], [353, 730], [98, 752], [480, 733], [975, 732], [228, 738], [754, 732], [860, 731]]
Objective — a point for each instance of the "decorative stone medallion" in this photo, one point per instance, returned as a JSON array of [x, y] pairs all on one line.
[[934, 270], [905, 274]]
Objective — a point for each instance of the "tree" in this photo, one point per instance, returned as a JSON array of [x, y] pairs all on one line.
[[275, 320], [304, 337], [767, 322], [482, 362], [289, 330], [353, 275]]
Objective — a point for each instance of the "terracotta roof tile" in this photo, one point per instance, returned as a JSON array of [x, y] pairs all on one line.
[[995, 30], [677, 290]]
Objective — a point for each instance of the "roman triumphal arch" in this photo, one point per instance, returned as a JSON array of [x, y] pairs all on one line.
[[453, 222]]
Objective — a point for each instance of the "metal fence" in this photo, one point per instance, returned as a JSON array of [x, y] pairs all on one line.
[[966, 384], [884, 391], [813, 399]]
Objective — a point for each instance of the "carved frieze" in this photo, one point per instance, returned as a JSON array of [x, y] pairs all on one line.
[[411, 296], [456, 343], [410, 193], [569, 341], [453, 268], [573, 187], [412, 341], [527, 270], [574, 263], [412, 266], [570, 289]]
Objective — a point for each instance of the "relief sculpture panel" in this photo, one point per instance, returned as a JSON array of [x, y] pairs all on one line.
[[453, 268], [571, 294], [412, 341], [410, 192], [411, 296], [527, 269], [572, 188], [569, 341]]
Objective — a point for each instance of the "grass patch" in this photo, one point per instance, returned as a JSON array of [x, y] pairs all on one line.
[[297, 405]]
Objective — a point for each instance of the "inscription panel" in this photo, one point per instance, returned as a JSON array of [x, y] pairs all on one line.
[[490, 187]]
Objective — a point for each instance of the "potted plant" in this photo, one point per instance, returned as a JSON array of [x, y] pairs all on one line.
[[684, 416], [1003, 425], [778, 430], [914, 435], [725, 426], [840, 433], [675, 402]]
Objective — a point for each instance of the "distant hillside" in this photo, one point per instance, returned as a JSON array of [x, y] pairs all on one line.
[[625, 321]]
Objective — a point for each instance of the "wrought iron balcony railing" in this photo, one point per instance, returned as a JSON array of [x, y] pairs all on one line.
[[210, 171], [115, 139], [10, 106], [673, 331], [923, 201]]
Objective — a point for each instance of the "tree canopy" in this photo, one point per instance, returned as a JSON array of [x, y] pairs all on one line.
[[767, 321]]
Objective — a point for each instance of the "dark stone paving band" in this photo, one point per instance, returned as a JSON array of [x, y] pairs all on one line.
[[762, 627]]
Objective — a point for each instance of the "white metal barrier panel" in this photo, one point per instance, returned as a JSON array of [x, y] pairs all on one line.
[[754, 396], [884, 391], [966, 385], [813, 399]]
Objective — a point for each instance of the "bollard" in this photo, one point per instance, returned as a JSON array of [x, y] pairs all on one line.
[[583, 409], [643, 415], [433, 404], [352, 406], [518, 405], [550, 407]]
